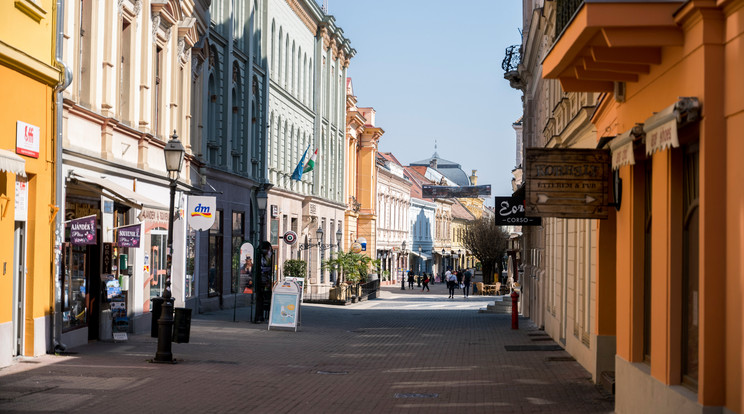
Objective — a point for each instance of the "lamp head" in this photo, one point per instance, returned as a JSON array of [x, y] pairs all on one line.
[[174, 153]]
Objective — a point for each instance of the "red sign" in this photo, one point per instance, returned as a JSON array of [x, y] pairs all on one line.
[[27, 139]]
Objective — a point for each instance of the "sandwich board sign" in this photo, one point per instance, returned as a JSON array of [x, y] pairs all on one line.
[[285, 305]]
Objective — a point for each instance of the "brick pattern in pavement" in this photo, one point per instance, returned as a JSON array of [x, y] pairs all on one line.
[[406, 352]]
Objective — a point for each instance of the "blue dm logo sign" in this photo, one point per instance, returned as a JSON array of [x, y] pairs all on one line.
[[200, 214]]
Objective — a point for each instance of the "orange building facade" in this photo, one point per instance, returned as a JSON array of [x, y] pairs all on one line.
[[671, 112]]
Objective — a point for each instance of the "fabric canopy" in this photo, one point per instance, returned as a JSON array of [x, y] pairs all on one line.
[[12, 163]]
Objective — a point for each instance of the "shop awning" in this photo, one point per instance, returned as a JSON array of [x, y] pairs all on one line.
[[423, 255], [114, 191], [12, 163]]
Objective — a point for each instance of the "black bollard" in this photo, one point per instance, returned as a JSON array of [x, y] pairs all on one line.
[[165, 333]]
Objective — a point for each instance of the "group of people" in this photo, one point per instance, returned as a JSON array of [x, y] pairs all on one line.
[[461, 279], [425, 281], [457, 279]]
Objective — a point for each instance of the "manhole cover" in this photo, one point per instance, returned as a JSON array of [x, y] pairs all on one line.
[[521, 348], [415, 395]]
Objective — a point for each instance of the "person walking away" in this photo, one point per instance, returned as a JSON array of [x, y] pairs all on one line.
[[466, 279], [426, 283], [410, 280], [451, 282]]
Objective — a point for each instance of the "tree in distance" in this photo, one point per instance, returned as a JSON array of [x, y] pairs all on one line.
[[488, 243]]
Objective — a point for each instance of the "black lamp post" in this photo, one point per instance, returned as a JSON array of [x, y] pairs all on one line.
[[321, 250], [460, 258], [403, 278], [261, 200], [339, 235], [174, 153]]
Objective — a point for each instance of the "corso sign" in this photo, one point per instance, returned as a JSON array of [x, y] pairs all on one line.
[[510, 212]]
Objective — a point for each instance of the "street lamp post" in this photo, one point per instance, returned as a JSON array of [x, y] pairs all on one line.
[[174, 153], [339, 235], [403, 277], [262, 200], [319, 234]]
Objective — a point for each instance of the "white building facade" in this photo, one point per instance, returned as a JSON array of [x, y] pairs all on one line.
[[131, 65], [393, 209]]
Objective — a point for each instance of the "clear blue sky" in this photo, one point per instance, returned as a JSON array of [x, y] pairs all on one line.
[[432, 70]]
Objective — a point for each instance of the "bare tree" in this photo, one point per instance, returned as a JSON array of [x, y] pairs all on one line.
[[488, 243]]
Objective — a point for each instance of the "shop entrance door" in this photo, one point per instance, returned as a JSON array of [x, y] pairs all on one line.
[[19, 283]]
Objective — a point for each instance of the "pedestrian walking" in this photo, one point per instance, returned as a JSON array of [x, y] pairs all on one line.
[[467, 277], [426, 283], [410, 280], [451, 282]]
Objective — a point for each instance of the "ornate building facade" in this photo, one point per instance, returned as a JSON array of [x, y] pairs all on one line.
[[307, 57], [228, 141], [131, 64], [393, 223]]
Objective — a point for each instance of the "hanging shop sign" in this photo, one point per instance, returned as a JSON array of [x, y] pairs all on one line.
[[27, 139], [567, 183], [201, 212], [128, 236], [290, 237], [510, 212], [443, 191], [21, 198], [83, 231]]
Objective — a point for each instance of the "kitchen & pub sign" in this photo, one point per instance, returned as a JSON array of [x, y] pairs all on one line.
[[567, 183]]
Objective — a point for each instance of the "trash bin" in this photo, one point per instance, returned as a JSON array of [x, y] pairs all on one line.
[[182, 326], [157, 308]]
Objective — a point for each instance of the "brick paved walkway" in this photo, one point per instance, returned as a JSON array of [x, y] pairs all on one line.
[[407, 352]]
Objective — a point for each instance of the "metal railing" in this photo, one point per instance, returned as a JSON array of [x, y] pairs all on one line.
[[511, 60], [564, 13], [345, 293]]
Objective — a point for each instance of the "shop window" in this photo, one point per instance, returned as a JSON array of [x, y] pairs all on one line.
[[74, 287], [238, 230], [190, 287], [214, 281], [690, 265]]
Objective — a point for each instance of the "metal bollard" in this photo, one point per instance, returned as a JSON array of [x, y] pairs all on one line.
[[165, 333], [515, 309]]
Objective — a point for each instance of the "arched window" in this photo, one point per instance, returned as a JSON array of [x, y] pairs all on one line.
[[280, 57], [212, 119], [286, 63], [273, 49]]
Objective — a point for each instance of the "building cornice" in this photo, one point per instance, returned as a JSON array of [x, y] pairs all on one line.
[[28, 65]]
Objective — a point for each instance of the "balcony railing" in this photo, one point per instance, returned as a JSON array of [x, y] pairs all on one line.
[[511, 59], [565, 11]]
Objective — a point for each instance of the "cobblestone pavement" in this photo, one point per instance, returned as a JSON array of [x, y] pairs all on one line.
[[406, 352]]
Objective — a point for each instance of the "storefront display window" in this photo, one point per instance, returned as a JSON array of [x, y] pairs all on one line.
[[238, 229], [190, 288], [214, 282], [74, 287]]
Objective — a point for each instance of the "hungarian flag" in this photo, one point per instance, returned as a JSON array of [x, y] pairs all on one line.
[[310, 163], [297, 174]]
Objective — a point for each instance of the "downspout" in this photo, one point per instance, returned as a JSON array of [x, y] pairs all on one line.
[[59, 233]]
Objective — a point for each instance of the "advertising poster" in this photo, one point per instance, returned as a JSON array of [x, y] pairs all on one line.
[[21, 198], [285, 305], [246, 268], [128, 236], [83, 231]]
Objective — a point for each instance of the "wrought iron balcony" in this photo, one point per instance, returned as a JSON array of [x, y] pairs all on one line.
[[510, 64], [565, 11]]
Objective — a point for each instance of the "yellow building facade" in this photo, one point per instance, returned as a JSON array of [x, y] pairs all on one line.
[[362, 139], [28, 77], [669, 74]]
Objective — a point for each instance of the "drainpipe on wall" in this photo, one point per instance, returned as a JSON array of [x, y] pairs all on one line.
[[59, 232]]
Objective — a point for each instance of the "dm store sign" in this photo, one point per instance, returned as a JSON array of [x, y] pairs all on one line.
[[201, 212], [83, 231]]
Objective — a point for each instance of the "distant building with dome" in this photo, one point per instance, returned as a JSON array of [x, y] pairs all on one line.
[[450, 169]]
